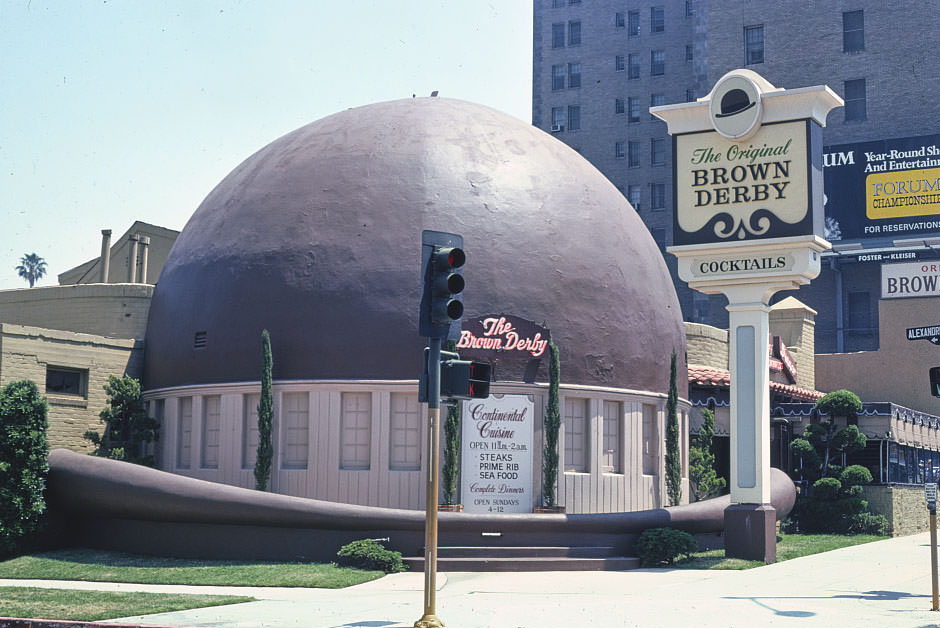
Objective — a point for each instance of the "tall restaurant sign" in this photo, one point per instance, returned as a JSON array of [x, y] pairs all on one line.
[[747, 174]]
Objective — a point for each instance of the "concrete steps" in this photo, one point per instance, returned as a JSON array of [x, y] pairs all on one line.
[[535, 558]]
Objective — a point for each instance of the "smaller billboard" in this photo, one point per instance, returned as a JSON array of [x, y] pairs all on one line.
[[918, 279]]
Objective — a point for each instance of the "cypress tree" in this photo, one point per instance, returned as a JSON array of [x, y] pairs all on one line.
[[451, 446], [265, 416], [703, 478], [673, 455], [552, 424]]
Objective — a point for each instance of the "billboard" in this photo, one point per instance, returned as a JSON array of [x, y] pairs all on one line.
[[882, 189]]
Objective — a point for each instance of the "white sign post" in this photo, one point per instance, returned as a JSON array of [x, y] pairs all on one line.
[[748, 223], [496, 444]]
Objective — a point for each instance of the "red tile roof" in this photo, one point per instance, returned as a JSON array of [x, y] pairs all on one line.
[[706, 376]]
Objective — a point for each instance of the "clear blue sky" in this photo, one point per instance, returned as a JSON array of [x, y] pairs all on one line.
[[119, 110]]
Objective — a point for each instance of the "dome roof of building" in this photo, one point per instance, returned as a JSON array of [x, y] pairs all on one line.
[[316, 238]]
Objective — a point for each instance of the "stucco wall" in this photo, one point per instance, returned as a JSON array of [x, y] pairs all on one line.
[[904, 506], [26, 352], [706, 345]]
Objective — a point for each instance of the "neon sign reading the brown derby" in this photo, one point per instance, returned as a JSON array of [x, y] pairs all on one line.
[[500, 335]]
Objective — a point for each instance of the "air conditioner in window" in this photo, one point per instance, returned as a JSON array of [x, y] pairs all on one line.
[[556, 128]]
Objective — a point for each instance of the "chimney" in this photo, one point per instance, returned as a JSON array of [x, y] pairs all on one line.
[[132, 259], [105, 254], [144, 250]]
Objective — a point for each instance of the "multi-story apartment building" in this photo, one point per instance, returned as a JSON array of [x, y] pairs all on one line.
[[598, 66]]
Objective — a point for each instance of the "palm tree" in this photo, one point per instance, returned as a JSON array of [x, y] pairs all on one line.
[[31, 268]]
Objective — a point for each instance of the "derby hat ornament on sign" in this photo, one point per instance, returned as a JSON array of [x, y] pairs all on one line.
[[735, 107]]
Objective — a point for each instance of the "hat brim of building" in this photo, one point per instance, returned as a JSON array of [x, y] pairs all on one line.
[[734, 113]]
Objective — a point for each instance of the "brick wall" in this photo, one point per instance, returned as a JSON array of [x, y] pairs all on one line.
[[706, 345], [904, 506], [26, 352]]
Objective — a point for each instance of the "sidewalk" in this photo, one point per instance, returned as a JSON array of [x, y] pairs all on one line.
[[877, 584]]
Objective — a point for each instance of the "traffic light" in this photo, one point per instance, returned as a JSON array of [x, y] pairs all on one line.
[[463, 379], [441, 307], [935, 381]]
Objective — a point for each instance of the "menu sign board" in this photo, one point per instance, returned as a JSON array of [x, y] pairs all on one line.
[[496, 454]]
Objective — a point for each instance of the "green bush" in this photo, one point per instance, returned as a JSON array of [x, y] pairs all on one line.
[[854, 475], [826, 489], [369, 554], [24, 463], [835, 506], [870, 523], [128, 427], [663, 545]]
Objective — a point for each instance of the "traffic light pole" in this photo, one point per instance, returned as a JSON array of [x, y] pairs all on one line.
[[430, 618]]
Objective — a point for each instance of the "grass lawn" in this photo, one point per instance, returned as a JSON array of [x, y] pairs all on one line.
[[97, 605], [100, 566], [788, 546]]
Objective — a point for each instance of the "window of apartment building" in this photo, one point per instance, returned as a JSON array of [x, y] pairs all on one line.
[[558, 77], [295, 419], [619, 105], [633, 109], [250, 430], [656, 100], [620, 20], [657, 20], [576, 435], [633, 154], [574, 33], [657, 151], [618, 150], [405, 433], [574, 1], [619, 63], [634, 65], [557, 4], [65, 381], [859, 312], [574, 75], [558, 35], [689, 52], [558, 118], [657, 62], [633, 195], [855, 106], [612, 460], [690, 95], [659, 237], [574, 117], [689, 8], [650, 440], [853, 31], [355, 431], [657, 196], [753, 44], [633, 23], [211, 427], [184, 433]]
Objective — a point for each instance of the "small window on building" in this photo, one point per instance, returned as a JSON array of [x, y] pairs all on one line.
[[657, 20], [574, 75], [295, 421], [633, 154], [634, 196], [618, 150], [620, 20], [356, 431], [633, 109], [689, 52], [405, 433], [657, 62], [689, 8], [558, 118], [853, 31], [657, 196], [576, 435], [211, 424], [656, 100], [574, 117], [574, 33], [657, 151], [612, 457], [633, 23], [619, 63], [558, 35], [66, 381], [558, 77], [184, 433], [557, 4], [634, 65], [250, 430], [619, 106], [859, 314], [753, 44], [855, 101], [574, 1], [650, 440]]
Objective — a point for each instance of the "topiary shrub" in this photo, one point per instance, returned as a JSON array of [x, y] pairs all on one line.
[[24, 463], [656, 546], [369, 554], [127, 426], [835, 506]]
